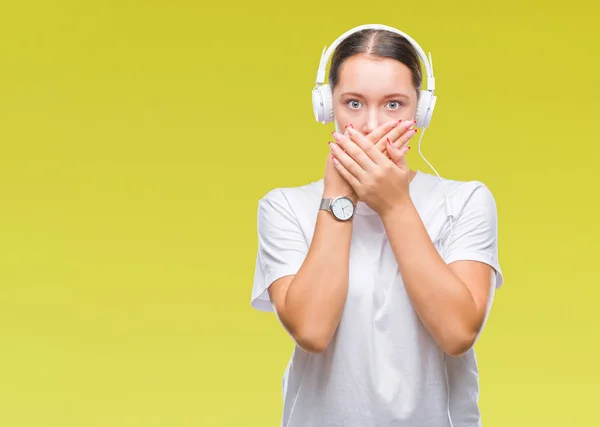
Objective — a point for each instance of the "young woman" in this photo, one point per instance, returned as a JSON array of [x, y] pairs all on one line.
[[382, 275]]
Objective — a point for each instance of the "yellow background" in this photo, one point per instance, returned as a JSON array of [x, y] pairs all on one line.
[[136, 138]]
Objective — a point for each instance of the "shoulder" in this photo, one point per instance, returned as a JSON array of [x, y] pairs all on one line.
[[472, 197], [463, 195], [292, 198], [288, 211]]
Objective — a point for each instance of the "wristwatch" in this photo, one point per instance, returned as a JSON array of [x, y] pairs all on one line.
[[341, 208]]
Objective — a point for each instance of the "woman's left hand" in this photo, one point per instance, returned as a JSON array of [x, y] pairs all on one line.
[[381, 182]]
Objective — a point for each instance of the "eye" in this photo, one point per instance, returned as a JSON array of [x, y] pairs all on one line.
[[353, 103], [394, 105]]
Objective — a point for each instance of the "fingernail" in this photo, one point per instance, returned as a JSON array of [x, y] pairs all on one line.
[[409, 147], [415, 130], [350, 125], [414, 121], [331, 145], [399, 121]]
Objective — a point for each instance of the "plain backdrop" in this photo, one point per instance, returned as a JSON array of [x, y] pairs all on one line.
[[136, 138]]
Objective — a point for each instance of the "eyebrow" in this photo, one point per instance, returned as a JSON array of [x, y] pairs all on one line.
[[392, 95]]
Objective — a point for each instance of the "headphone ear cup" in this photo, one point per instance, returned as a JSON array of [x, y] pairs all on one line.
[[424, 98], [430, 108], [425, 108], [322, 103]]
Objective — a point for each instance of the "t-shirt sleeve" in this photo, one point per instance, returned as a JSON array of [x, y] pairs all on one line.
[[282, 247], [475, 232]]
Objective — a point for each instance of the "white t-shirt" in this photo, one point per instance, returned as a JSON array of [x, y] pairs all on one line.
[[382, 367]]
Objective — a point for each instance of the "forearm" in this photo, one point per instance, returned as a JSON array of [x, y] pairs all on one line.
[[316, 296], [442, 301]]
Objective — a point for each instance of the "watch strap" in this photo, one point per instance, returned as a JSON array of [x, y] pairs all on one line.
[[325, 204]]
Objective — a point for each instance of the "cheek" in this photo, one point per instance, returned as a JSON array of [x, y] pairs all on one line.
[[409, 112], [341, 114]]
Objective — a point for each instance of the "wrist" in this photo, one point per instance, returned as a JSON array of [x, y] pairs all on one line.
[[331, 193], [397, 209]]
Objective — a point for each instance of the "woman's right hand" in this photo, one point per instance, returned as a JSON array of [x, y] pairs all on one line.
[[396, 132]]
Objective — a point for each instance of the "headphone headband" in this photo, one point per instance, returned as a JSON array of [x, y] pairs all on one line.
[[327, 52]]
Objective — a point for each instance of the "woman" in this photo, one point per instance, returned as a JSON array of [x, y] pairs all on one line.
[[384, 304]]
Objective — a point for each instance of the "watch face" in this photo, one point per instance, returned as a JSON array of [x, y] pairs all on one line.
[[343, 208]]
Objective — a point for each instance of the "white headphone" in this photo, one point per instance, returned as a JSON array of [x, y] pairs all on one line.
[[322, 100], [322, 94]]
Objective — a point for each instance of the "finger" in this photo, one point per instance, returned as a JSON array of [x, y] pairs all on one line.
[[395, 133], [381, 131], [374, 155], [347, 161], [397, 155], [404, 138], [353, 149], [350, 179]]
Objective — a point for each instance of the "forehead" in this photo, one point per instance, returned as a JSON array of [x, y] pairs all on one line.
[[373, 76]]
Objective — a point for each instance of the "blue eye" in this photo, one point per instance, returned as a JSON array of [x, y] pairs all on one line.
[[394, 105], [353, 103]]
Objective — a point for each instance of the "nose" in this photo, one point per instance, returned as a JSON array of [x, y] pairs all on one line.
[[371, 123]]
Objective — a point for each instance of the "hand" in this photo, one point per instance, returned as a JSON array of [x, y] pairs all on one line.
[[393, 131], [396, 131], [379, 181]]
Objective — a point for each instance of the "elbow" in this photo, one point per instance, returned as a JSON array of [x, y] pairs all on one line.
[[458, 349], [312, 343], [460, 344], [312, 337], [312, 347], [312, 340]]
